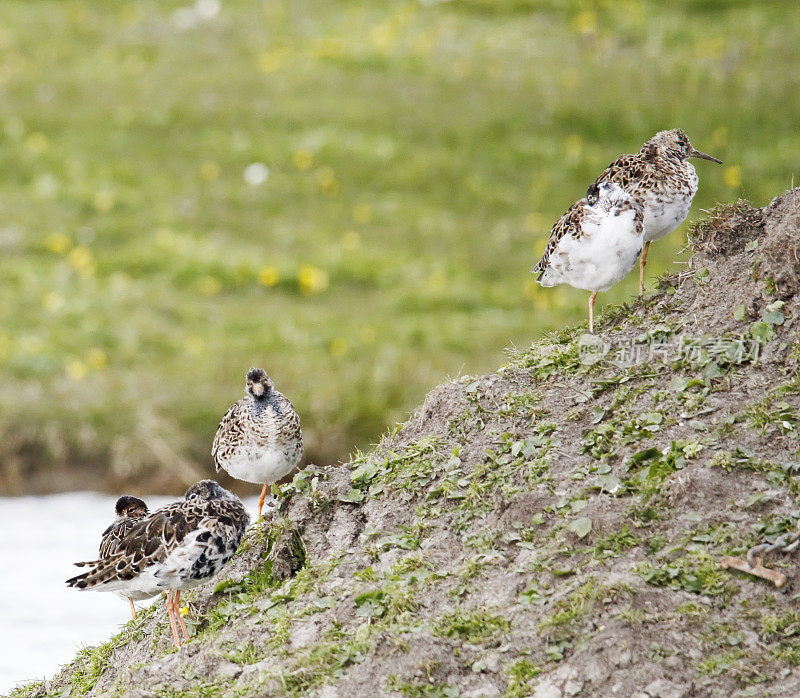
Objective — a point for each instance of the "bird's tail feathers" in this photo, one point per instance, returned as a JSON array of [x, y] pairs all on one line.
[[87, 563], [104, 571]]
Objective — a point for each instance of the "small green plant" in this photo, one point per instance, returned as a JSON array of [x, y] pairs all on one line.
[[422, 689], [695, 571], [520, 677], [473, 626]]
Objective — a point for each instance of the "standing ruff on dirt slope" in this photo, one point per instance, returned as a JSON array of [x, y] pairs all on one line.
[[174, 548], [259, 439], [661, 175], [595, 243], [129, 511]]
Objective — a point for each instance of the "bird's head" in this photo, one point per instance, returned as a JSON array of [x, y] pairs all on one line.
[[607, 194], [259, 384], [673, 144], [206, 489], [131, 507]]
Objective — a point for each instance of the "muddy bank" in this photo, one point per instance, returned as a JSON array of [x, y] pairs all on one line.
[[552, 529]]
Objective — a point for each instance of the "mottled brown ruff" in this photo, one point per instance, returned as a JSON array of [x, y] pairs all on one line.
[[665, 181], [174, 548], [129, 510], [259, 439]]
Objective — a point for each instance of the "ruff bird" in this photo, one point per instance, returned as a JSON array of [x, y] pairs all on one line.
[[174, 548], [595, 243], [662, 177], [129, 510], [259, 439]]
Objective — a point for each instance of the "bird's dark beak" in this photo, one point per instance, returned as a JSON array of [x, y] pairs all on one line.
[[258, 389], [697, 154]]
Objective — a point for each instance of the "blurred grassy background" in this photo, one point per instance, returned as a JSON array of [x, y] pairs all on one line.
[[350, 194]]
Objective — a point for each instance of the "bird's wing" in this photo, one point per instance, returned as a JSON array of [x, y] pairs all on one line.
[[113, 535], [228, 432], [289, 431], [150, 540], [625, 170], [569, 223]]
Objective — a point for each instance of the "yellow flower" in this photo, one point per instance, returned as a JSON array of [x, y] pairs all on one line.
[[310, 279], [120, 282], [327, 47], [568, 78], [437, 280], [272, 61], [462, 68], [530, 289], [209, 171], [194, 346], [303, 159], [534, 223], [362, 214], [209, 285], [574, 146], [57, 242], [36, 143], [96, 358], [585, 23], [80, 259], [381, 35], [733, 176], [423, 43], [269, 276], [338, 347], [76, 370], [350, 240], [53, 301], [720, 137], [183, 610], [104, 200]]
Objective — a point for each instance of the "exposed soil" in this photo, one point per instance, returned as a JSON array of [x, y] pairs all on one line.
[[553, 529]]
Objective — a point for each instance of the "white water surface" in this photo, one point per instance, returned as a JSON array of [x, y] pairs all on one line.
[[43, 623]]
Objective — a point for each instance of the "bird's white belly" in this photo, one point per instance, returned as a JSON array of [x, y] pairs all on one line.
[[259, 468], [136, 595], [598, 260], [662, 217]]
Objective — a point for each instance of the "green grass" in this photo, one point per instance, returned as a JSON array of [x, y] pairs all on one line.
[[417, 155]]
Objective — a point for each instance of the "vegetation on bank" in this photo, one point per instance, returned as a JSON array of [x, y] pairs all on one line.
[[557, 523], [350, 194]]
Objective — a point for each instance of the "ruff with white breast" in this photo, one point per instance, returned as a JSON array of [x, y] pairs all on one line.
[[595, 243], [259, 439], [661, 176]]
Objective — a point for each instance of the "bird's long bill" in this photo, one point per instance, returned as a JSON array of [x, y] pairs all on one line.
[[698, 154], [258, 389]]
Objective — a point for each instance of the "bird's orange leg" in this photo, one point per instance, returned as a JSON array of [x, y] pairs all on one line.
[[261, 500], [176, 641], [133, 609], [642, 262], [177, 604], [591, 312]]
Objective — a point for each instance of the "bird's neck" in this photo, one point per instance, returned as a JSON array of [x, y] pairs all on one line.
[[259, 405]]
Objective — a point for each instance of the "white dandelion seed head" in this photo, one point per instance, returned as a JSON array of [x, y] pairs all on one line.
[[256, 173]]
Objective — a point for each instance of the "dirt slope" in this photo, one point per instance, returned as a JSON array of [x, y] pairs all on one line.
[[552, 529]]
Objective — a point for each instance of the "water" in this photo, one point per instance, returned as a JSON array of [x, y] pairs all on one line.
[[43, 623]]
